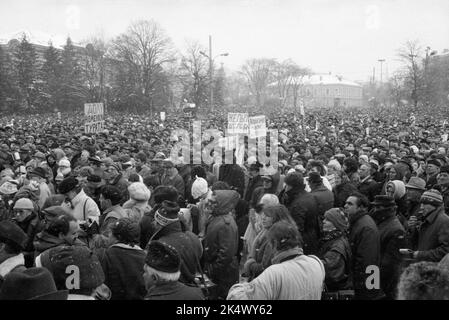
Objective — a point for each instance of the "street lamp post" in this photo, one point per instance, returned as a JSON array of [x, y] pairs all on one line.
[[211, 68]]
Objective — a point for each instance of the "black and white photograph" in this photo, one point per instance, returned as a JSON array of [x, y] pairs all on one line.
[[224, 154]]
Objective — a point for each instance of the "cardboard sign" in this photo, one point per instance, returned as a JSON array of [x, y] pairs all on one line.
[[238, 123], [257, 127], [94, 113]]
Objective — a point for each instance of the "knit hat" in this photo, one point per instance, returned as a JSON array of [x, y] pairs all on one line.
[[432, 197], [163, 257], [64, 163], [139, 191], [199, 187], [167, 213], [384, 201], [11, 232], [57, 259], [416, 183], [338, 218], [31, 284], [434, 162], [67, 185], [24, 203]]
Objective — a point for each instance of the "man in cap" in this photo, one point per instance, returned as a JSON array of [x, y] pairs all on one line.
[[428, 232], [114, 177], [414, 190], [432, 170], [79, 205], [392, 238]]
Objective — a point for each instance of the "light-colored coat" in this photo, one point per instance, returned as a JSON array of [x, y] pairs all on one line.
[[84, 207]]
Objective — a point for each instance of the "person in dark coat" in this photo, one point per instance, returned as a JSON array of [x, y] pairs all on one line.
[[414, 190], [432, 170], [13, 239], [428, 233], [233, 175], [368, 186], [392, 238], [365, 245], [147, 225], [170, 230], [303, 208], [123, 262], [161, 274], [221, 242], [269, 185], [335, 251], [114, 177], [255, 181], [443, 186], [323, 196]]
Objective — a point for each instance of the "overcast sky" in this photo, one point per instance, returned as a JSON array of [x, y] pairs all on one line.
[[344, 37]]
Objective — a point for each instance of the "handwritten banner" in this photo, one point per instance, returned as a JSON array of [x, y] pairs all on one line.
[[94, 113]]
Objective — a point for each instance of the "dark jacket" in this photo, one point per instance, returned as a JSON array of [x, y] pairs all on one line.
[[432, 239], [147, 228], [120, 183], [392, 238], [303, 208], [31, 226], [253, 184], [234, 176], [123, 271], [220, 250], [174, 290], [188, 246], [369, 188], [324, 198], [365, 246], [335, 253], [259, 192]]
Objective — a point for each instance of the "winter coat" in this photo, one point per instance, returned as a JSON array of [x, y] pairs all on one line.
[[260, 256], [84, 207], [109, 217], [303, 208], [123, 270], [122, 185], [44, 241], [147, 228], [174, 290], [253, 184], [392, 238], [369, 188], [234, 176], [176, 181], [188, 246], [220, 249], [324, 198], [365, 246], [292, 276], [335, 252], [136, 210], [432, 239]]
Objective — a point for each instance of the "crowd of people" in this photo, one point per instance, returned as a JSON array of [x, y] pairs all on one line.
[[354, 208]]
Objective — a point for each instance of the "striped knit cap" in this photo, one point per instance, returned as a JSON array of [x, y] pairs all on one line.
[[432, 197]]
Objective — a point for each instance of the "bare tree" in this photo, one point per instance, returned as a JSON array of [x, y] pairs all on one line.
[[144, 49], [194, 73], [259, 74], [411, 54]]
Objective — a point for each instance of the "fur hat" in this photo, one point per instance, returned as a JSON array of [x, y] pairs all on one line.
[[384, 201], [163, 257], [68, 184], [11, 232], [295, 180], [139, 191]]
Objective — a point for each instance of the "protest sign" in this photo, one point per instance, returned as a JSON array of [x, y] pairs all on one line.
[[257, 127], [163, 115], [94, 113], [237, 123]]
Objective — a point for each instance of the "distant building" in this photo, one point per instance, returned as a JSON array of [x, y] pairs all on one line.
[[331, 91]]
